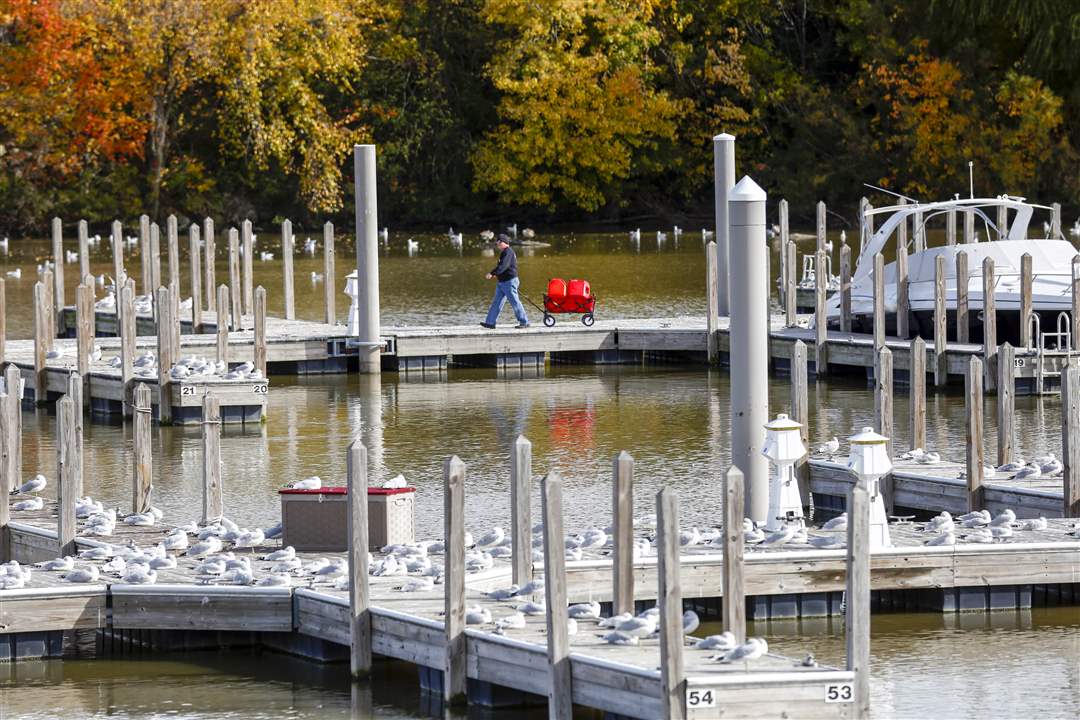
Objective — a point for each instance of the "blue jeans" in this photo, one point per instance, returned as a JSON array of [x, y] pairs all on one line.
[[504, 291]]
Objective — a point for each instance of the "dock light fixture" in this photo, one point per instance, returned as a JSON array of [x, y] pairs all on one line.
[[869, 461], [784, 447]]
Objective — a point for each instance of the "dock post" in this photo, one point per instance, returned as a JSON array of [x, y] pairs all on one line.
[[845, 288], [3, 322], [222, 324], [126, 318], [963, 325], [821, 321], [1075, 314], [48, 278], [84, 249], [172, 252], [903, 299], [142, 476], [989, 322], [287, 268], [800, 413], [950, 228], [235, 291], [247, 243], [712, 318], [1006, 403], [1026, 340], [969, 226], [734, 602], [623, 541], [520, 510], [359, 598], [560, 705], [723, 184], [8, 477], [75, 392], [11, 412], [59, 297], [857, 612], [918, 231], [917, 392], [196, 279], [883, 395], [155, 264], [941, 333], [819, 227], [902, 228], [367, 257], [166, 355], [866, 223], [785, 268], [749, 343], [669, 598], [879, 301], [146, 283], [973, 406], [454, 579], [791, 290], [1070, 439], [117, 240], [209, 252], [41, 330], [1002, 221], [67, 475], [84, 333], [213, 504], [329, 281], [1055, 221], [260, 330]]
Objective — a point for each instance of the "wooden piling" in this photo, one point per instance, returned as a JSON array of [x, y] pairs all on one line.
[[902, 228], [213, 499], [857, 596], [287, 268], [1026, 339], [196, 279], [84, 330], [166, 355], [11, 412], [622, 501], [454, 579], [1070, 439], [800, 412], [734, 604], [845, 288], [117, 239], [791, 291], [67, 475], [1006, 404], [917, 392], [209, 253], [785, 268], [75, 392], [247, 242], [712, 311], [520, 510], [941, 333], [821, 323], [903, 299], [260, 330], [222, 326], [236, 321], [3, 321], [1003, 222], [989, 322], [918, 231], [142, 476], [126, 317], [329, 280], [41, 330], [1055, 222], [969, 226], [48, 279], [866, 223], [883, 395], [973, 405], [146, 283], [84, 249], [560, 705], [669, 598], [359, 597], [59, 297], [820, 230], [1075, 314], [950, 228], [963, 325], [155, 263], [879, 301], [172, 252]]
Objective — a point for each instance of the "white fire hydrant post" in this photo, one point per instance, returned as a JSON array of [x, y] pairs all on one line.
[[784, 447], [869, 460]]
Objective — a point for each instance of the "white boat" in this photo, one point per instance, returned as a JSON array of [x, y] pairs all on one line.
[[1051, 261]]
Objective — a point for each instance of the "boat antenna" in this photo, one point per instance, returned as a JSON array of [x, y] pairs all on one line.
[[971, 179], [890, 192]]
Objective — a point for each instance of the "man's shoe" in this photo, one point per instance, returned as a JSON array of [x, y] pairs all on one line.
[[486, 325], [524, 326]]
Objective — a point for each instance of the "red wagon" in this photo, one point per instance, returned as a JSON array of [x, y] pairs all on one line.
[[573, 297]]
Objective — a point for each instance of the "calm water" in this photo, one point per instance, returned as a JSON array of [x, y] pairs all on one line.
[[674, 422]]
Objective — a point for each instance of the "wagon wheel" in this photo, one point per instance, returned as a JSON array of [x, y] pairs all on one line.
[[587, 319], [549, 320]]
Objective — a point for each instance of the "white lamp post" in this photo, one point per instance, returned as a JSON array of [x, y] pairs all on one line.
[[869, 460], [783, 446]]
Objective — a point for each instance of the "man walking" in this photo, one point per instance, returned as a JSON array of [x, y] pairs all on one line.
[[506, 273]]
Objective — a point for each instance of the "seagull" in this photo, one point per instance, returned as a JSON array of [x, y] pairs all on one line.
[[945, 538], [513, 621], [412, 246], [420, 584], [1051, 467], [60, 563], [752, 649], [635, 235], [491, 538], [725, 642], [1007, 517], [830, 448], [395, 483], [139, 574], [82, 575], [1000, 532], [285, 553], [16, 273], [828, 542], [531, 588], [617, 637], [690, 622], [929, 458], [584, 611], [384, 234], [978, 536], [533, 608], [1038, 523], [265, 256], [975, 519], [477, 615], [781, 536], [316, 277], [33, 485], [312, 483], [145, 519], [34, 503], [754, 536], [274, 580], [103, 552], [939, 522], [163, 563], [204, 547], [1027, 472], [689, 538], [837, 523], [641, 626], [615, 620], [250, 538]]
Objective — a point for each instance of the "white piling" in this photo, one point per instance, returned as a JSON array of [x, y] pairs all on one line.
[[367, 257], [724, 175]]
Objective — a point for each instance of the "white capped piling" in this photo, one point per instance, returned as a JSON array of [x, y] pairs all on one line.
[[84, 331], [222, 325], [247, 242], [48, 278], [75, 392], [734, 602], [821, 321], [196, 279], [329, 280], [1027, 341], [819, 226], [963, 324], [1055, 221], [213, 505], [857, 595], [845, 288], [367, 258], [146, 283], [84, 249], [209, 252], [126, 317], [917, 392], [41, 330], [989, 322], [941, 360], [172, 252], [117, 239], [883, 394], [969, 226], [454, 579], [950, 227], [236, 320], [59, 297], [520, 510], [791, 291], [712, 318], [724, 181], [1006, 403], [67, 474], [879, 301], [287, 269], [622, 501], [560, 705], [973, 407], [1075, 314], [669, 598], [903, 299], [155, 262], [800, 412], [142, 464], [1070, 439], [359, 598], [749, 343], [260, 330], [166, 355]]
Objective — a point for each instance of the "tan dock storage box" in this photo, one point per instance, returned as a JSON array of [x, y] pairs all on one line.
[[318, 521]]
